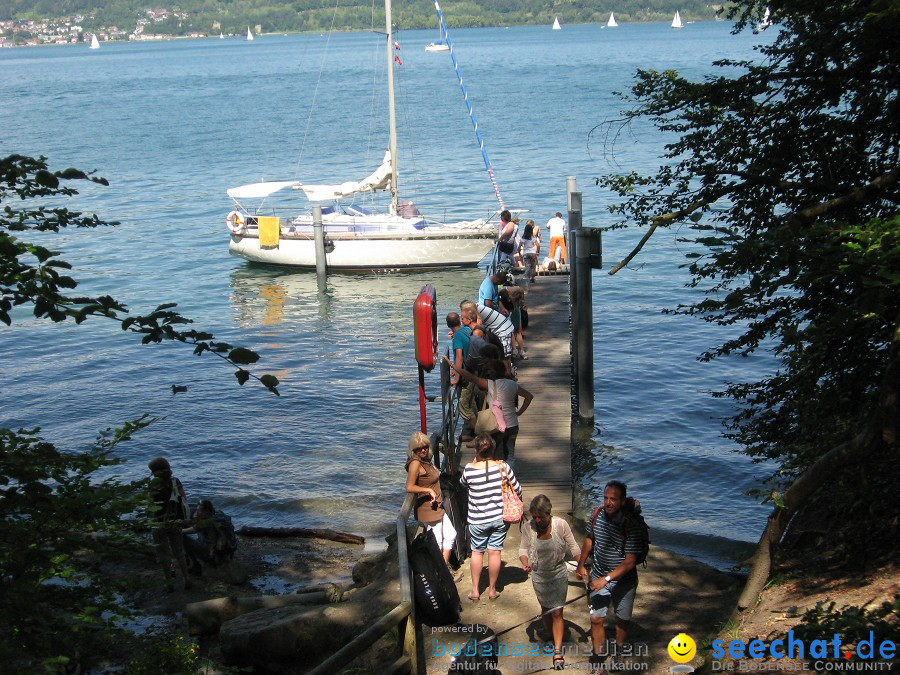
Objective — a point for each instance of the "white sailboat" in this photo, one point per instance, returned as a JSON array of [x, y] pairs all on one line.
[[676, 22], [440, 45], [249, 35], [556, 25], [612, 21], [356, 238], [95, 43], [221, 36], [766, 21]]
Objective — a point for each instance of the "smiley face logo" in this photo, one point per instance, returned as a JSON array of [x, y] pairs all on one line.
[[682, 648]]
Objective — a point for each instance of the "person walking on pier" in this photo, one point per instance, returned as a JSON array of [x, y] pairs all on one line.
[[546, 543], [460, 336], [473, 363], [483, 478], [488, 292], [614, 541], [529, 250], [506, 238], [511, 299], [500, 325], [557, 227], [507, 391]]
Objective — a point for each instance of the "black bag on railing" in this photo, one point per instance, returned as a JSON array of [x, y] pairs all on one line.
[[455, 503], [437, 600]]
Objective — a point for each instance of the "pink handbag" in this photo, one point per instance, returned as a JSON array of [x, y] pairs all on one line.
[[513, 506]]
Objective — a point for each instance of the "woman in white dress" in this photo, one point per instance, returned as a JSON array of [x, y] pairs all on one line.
[[546, 543]]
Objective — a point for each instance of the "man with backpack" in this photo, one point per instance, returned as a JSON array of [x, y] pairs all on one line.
[[615, 540], [213, 541]]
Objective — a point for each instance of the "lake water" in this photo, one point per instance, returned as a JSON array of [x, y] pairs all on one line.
[[172, 125]]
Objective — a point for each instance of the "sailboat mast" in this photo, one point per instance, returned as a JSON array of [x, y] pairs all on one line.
[[392, 116]]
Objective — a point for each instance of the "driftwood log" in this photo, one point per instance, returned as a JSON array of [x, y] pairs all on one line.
[[207, 617], [315, 533]]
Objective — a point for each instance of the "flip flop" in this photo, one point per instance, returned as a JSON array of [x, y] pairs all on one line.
[[494, 596], [474, 598]]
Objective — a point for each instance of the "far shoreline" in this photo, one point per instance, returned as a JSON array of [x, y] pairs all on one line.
[[170, 38]]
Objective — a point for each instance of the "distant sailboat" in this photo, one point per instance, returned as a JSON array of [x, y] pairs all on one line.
[[95, 43], [221, 36], [249, 35], [612, 21], [556, 25], [766, 21], [439, 46], [676, 22]]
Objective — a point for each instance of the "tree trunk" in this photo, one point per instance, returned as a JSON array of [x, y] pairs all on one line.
[[802, 488], [882, 431]]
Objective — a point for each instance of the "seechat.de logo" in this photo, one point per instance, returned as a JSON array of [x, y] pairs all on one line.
[[867, 649]]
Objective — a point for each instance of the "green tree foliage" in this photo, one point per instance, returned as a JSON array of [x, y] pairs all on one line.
[[32, 274], [60, 511], [55, 515], [786, 169]]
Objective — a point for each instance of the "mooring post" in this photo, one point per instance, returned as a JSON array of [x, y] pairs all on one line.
[[319, 235], [571, 245], [583, 327], [571, 188]]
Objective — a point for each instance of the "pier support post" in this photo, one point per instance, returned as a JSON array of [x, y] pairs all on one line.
[[582, 311], [571, 244], [319, 235]]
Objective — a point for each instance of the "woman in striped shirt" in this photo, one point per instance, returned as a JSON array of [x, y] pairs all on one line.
[[483, 478]]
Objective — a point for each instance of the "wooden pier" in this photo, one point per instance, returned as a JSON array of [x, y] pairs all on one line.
[[543, 464], [543, 461]]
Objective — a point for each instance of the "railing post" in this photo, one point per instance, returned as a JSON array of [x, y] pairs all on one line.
[[407, 630]]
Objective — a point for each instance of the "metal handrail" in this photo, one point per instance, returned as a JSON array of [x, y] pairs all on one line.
[[401, 614], [404, 613], [450, 417]]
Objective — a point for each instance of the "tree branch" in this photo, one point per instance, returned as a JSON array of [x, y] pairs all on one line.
[[627, 259], [856, 196], [668, 218]]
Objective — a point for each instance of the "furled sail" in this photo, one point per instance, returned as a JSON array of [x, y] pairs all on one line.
[[379, 179]]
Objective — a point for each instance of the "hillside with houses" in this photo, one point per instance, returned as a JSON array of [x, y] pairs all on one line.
[[40, 22]]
